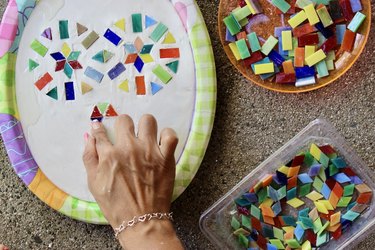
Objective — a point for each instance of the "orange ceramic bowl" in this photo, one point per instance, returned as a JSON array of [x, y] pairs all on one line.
[[265, 29]]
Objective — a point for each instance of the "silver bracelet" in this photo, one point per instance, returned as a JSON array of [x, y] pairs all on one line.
[[144, 218]]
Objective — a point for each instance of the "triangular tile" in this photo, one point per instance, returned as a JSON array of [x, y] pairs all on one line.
[[107, 55], [120, 24], [81, 29], [53, 93], [150, 21], [111, 111], [124, 86], [99, 57], [169, 39], [173, 66], [103, 107], [47, 33], [32, 65], [96, 113], [155, 88], [85, 88]]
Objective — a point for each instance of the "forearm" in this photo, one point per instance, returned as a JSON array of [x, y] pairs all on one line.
[[150, 235]]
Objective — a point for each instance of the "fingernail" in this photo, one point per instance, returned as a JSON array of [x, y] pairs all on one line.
[[5, 248], [95, 124], [86, 137]]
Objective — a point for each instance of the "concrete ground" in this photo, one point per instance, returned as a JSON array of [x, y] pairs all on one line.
[[251, 123]]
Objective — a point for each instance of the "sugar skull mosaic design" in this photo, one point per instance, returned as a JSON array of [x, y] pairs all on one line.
[[137, 53]]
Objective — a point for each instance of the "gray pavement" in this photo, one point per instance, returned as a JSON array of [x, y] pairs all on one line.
[[251, 123]]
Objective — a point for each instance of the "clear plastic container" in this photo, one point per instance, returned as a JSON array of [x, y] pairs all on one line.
[[215, 221]]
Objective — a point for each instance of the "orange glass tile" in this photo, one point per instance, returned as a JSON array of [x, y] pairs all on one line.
[[289, 235], [294, 170], [335, 219], [268, 220], [288, 68], [348, 41], [170, 53], [364, 198], [292, 182], [363, 188], [131, 58], [333, 199], [338, 190], [43, 81], [333, 228], [299, 57], [140, 83], [267, 180]]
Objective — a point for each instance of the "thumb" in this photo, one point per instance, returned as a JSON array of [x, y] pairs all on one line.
[[168, 143], [90, 157]]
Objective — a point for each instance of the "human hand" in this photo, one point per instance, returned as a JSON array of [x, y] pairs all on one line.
[[132, 177]]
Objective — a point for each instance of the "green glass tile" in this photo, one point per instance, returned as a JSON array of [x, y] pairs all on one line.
[[306, 223], [349, 190], [324, 160], [242, 48], [356, 22], [282, 5], [281, 193], [235, 223], [53, 93], [232, 24], [73, 56], [158, 32], [324, 227], [293, 243], [246, 222], [38, 48], [322, 174], [318, 184], [64, 29], [32, 65], [241, 13], [243, 240], [291, 193], [137, 23], [278, 233], [255, 211], [333, 170], [162, 74], [262, 195], [254, 42], [277, 243], [90, 39], [173, 66], [317, 225], [321, 239], [350, 215], [344, 201], [308, 160], [269, 44], [304, 190]]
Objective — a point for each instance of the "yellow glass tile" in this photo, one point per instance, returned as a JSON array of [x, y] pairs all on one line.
[[321, 207], [306, 245], [295, 202], [235, 51], [311, 14], [327, 204], [146, 58], [169, 39], [252, 10], [314, 196], [66, 50], [287, 42], [264, 68], [314, 214], [284, 169], [124, 86], [289, 229], [266, 203], [85, 88], [309, 50], [315, 151], [120, 24], [297, 19], [315, 58]]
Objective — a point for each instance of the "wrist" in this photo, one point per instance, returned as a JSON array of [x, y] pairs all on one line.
[[153, 234]]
